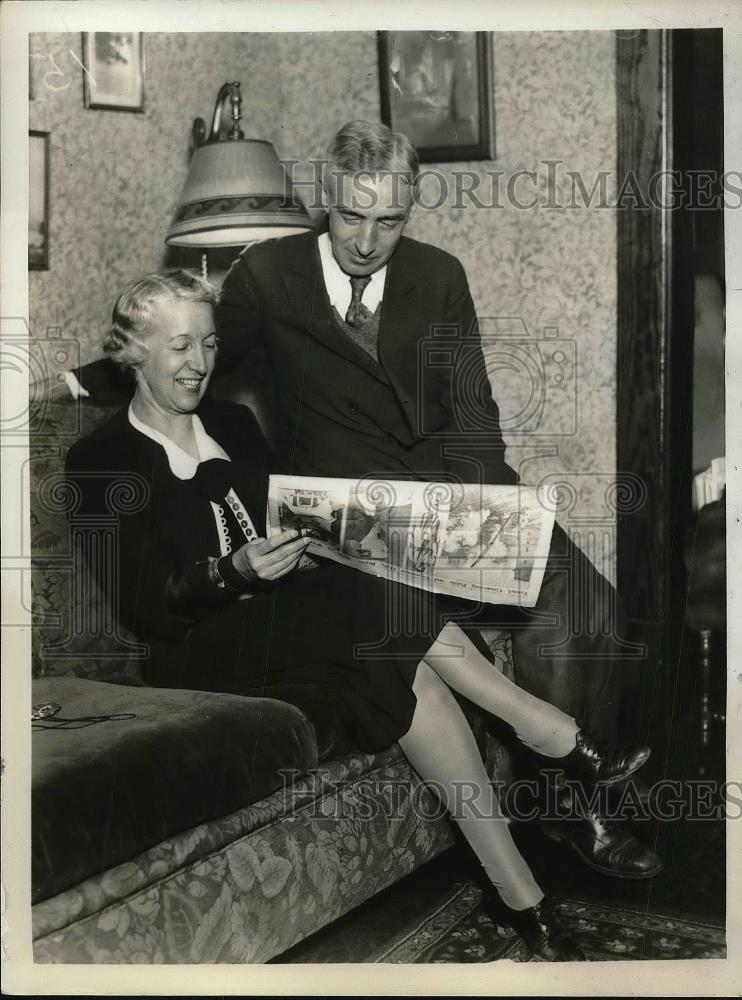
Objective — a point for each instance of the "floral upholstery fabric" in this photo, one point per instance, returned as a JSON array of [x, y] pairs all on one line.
[[74, 632], [157, 762], [247, 887]]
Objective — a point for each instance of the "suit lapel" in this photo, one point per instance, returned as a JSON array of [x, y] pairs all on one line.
[[398, 324], [305, 288], [398, 330]]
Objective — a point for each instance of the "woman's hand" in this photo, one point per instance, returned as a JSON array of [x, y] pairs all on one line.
[[270, 558]]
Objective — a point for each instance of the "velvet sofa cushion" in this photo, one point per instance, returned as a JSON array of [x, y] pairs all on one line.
[[104, 793], [312, 700]]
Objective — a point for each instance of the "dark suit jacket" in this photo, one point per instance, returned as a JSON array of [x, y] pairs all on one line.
[[425, 412], [156, 578]]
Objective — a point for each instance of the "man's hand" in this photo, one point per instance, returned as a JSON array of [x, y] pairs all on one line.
[[270, 558]]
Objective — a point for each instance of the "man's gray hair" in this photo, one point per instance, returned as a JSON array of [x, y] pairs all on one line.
[[370, 147], [132, 315]]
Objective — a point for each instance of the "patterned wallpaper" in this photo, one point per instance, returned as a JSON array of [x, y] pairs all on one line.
[[115, 178], [115, 175]]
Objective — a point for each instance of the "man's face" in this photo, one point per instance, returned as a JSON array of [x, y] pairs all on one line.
[[367, 215]]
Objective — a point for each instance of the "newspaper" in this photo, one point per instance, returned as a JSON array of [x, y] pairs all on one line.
[[481, 542]]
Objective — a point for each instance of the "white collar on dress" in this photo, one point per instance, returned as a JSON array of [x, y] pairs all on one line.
[[182, 465], [337, 281]]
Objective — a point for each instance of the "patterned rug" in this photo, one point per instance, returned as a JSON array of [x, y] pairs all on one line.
[[459, 931]]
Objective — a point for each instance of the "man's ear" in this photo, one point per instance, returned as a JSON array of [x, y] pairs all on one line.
[[413, 201], [328, 188]]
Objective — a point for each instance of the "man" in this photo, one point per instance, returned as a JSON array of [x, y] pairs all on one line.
[[335, 330]]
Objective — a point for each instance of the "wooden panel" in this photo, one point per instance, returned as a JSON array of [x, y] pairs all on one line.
[[643, 266], [655, 90]]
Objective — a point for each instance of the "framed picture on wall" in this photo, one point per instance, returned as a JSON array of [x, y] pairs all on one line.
[[38, 201], [113, 70], [436, 87]]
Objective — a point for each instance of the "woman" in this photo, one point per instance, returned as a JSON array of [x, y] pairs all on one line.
[[222, 608]]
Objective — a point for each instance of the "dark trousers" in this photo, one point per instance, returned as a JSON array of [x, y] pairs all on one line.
[[571, 649]]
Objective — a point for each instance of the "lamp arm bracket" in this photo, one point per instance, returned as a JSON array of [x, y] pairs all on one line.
[[198, 130], [231, 90]]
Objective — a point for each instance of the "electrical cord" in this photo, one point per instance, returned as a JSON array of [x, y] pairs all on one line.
[[46, 717]]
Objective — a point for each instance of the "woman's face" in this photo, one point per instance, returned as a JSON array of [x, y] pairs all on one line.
[[180, 358]]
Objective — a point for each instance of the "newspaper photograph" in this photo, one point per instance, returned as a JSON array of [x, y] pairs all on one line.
[[478, 541]]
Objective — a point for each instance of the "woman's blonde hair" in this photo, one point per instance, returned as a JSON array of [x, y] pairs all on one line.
[[125, 340]]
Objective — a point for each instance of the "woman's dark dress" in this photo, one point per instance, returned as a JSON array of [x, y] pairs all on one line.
[[355, 636]]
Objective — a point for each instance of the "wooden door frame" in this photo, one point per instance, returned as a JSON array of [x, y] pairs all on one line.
[[654, 339]]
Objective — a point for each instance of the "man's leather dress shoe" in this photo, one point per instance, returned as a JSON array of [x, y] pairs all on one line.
[[539, 926], [606, 845], [595, 764]]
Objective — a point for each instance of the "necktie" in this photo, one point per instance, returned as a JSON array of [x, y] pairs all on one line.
[[356, 310]]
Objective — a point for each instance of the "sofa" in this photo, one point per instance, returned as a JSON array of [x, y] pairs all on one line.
[[185, 826]]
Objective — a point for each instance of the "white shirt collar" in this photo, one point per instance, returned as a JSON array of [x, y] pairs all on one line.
[[182, 465], [337, 281]]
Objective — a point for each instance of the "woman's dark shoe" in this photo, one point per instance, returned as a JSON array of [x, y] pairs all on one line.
[[540, 928], [594, 764]]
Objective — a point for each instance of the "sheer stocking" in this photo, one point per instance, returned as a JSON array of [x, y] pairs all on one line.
[[441, 747], [539, 725]]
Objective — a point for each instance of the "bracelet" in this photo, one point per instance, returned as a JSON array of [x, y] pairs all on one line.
[[213, 572]]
